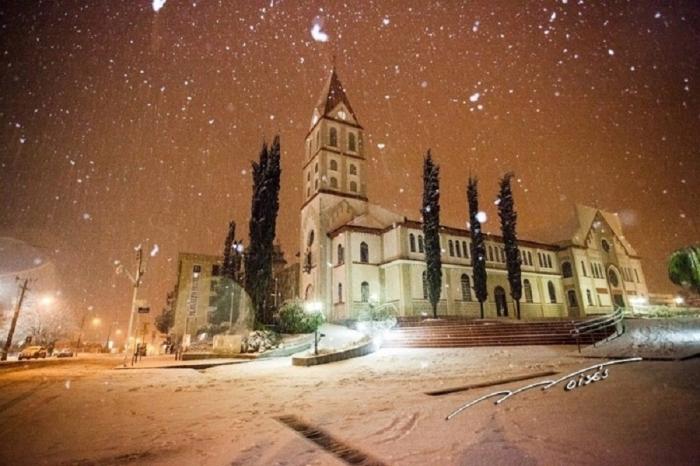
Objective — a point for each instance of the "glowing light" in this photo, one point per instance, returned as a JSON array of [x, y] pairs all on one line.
[[46, 300], [96, 321], [155, 250], [313, 306], [678, 300], [474, 97], [158, 4], [481, 217], [317, 34]]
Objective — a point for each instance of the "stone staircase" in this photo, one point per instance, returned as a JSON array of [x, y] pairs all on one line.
[[457, 332]]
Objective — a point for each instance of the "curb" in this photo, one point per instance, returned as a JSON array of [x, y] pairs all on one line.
[[354, 352]]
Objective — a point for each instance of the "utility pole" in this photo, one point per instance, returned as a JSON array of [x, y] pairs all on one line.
[[136, 281], [8, 343]]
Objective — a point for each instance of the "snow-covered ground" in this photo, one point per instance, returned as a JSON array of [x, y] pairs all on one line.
[[653, 339], [642, 413]]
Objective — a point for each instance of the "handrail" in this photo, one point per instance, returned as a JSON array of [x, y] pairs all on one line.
[[599, 323]]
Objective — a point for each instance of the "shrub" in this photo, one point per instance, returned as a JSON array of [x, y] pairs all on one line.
[[293, 319], [375, 319]]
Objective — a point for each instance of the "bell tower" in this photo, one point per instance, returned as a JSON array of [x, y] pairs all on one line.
[[334, 186]]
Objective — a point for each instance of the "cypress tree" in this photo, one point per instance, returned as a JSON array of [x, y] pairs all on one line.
[[262, 227], [506, 211], [227, 266], [478, 248], [431, 229]]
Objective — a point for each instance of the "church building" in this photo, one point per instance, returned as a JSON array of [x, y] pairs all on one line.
[[354, 251]]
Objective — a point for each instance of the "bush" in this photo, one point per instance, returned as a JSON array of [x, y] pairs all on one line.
[[374, 320], [293, 319]]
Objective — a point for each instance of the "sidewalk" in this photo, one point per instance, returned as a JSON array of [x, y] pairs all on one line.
[[169, 362]]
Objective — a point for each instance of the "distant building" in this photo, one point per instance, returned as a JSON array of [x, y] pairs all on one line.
[[354, 251], [198, 276]]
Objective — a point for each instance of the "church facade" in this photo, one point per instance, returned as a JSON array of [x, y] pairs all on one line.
[[354, 252]]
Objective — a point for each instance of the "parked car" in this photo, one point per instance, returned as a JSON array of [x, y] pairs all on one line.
[[32, 352], [64, 353]]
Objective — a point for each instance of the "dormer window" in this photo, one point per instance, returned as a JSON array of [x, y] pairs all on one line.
[[333, 137]]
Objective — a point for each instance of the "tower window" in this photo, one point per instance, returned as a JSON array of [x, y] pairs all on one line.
[[341, 254], [452, 247], [340, 292], [333, 137], [316, 184], [364, 252], [589, 298], [420, 243], [412, 242], [353, 169], [316, 168], [334, 165], [334, 182], [353, 186], [352, 142], [465, 250]]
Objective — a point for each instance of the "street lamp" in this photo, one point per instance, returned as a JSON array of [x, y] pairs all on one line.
[[315, 308]]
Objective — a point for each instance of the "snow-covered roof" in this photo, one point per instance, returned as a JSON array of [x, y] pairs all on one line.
[[333, 94], [376, 217], [586, 216]]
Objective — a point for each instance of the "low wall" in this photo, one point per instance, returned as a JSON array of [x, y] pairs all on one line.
[[354, 352]]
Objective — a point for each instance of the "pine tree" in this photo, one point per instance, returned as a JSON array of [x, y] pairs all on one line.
[[262, 228], [431, 229], [478, 248], [506, 211], [229, 279]]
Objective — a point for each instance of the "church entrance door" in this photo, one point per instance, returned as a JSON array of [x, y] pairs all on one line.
[[501, 307]]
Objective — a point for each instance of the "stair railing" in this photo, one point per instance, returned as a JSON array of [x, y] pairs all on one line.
[[615, 319]]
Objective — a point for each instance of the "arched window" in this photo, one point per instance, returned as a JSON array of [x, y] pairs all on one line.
[[583, 269], [605, 245], [310, 238], [465, 250], [318, 138], [466, 287], [334, 182], [334, 165], [353, 169], [566, 269], [527, 288], [420, 243], [549, 261], [490, 253], [352, 143], [364, 292], [353, 186], [316, 168], [452, 247], [308, 176], [341, 254], [612, 278], [529, 258], [333, 137], [425, 285], [364, 252], [412, 242], [571, 295], [316, 184], [552, 292], [308, 192], [458, 250], [340, 292], [589, 298]]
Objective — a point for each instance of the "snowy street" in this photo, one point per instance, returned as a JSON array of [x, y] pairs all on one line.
[[85, 412]]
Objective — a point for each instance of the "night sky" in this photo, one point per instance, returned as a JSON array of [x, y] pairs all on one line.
[[121, 125]]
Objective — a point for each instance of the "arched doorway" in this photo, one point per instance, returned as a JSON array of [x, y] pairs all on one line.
[[617, 293], [499, 295]]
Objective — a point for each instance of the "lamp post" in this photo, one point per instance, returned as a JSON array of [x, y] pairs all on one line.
[[136, 282], [8, 343]]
